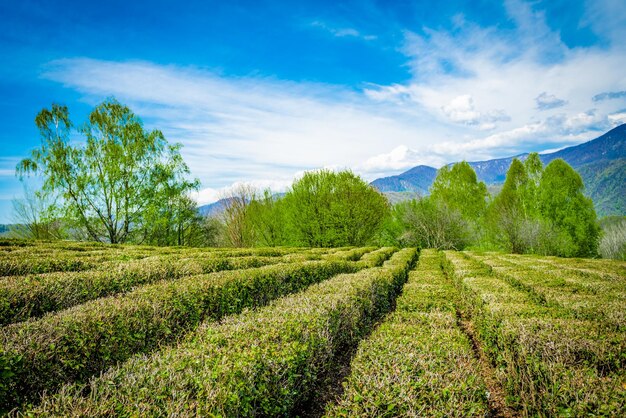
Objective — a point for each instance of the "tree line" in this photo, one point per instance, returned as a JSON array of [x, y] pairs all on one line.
[[539, 210], [122, 183]]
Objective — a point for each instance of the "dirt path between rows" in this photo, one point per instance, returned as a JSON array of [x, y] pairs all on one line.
[[497, 396]]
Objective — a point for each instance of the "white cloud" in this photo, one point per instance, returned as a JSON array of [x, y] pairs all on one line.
[[342, 32], [476, 93], [618, 118], [248, 128], [400, 158], [509, 72], [606, 18], [462, 110]]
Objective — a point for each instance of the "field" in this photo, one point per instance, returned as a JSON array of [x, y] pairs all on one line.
[[106, 330]]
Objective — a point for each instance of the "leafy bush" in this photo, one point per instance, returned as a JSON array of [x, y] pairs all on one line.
[[76, 343], [551, 363], [262, 362], [328, 209], [31, 296], [613, 241], [418, 362], [10, 266], [425, 223]]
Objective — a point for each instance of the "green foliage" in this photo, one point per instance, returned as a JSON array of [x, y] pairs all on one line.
[[556, 333], [512, 210], [23, 297], [261, 362], [613, 241], [563, 204], [328, 209], [79, 342], [172, 218], [118, 185], [417, 362], [543, 211], [266, 215], [553, 328], [457, 187], [426, 223], [450, 218]]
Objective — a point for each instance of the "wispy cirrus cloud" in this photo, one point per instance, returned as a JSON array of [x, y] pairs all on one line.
[[341, 32], [242, 129], [497, 80]]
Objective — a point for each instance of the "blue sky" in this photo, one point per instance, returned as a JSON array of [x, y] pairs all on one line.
[[260, 91]]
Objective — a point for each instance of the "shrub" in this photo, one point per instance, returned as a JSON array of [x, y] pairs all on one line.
[[613, 241], [76, 343], [31, 296], [263, 362], [418, 362], [550, 363]]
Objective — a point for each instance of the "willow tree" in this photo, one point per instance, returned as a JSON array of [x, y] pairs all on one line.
[[328, 209], [563, 204], [458, 188], [508, 213], [110, 181]]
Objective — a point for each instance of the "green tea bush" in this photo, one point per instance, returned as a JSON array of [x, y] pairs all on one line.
[[81, 341], [550, 363], [263, 362], [579, 295], [418, 362], [10, 266], [23, 297], [376, 258]]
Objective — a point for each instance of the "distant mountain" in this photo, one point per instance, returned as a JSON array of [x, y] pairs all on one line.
[[417, 180], [5, 229], [600, 162], [216, 208], [213, 209]]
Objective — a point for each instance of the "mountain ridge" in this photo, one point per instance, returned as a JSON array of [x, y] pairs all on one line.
[[601, 163]]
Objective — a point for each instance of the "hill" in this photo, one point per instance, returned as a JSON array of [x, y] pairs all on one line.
[[601, 163], [213, 209], [418, 180]]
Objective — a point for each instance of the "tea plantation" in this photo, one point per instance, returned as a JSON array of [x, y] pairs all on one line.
[[111, 330]]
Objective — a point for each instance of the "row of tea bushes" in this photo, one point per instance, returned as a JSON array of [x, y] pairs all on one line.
[[352, 254], [418, 362], [586, 267], [585, 297], [23, 297], [376, 257], [74, 344], [264, 362], [550, 363], [19, 264], [46, 259]]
